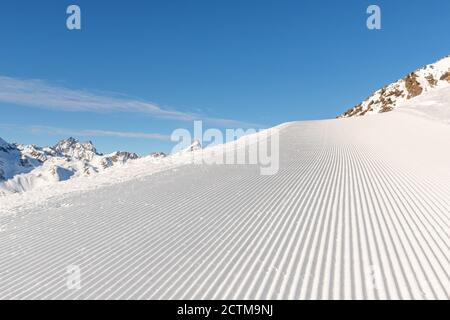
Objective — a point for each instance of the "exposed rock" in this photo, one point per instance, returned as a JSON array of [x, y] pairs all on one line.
[[32, 152], [118, 157], [158, 155], [446, 76], [430, 77], [74, 149], [412, 85], [431, 80]]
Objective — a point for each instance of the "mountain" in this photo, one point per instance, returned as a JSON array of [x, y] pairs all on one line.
[[425, 80], [2, 143], [24, 167], [359, 209], [75, 149]]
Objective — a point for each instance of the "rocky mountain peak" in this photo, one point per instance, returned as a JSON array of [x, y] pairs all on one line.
[[73, 148], [25, 166], [120, 157], [417, 83]]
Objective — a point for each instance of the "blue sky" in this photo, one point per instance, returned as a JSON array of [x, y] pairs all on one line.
[[140, 69]]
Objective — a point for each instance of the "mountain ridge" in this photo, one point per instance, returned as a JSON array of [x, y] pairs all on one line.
[[423, 80], [24, 167]]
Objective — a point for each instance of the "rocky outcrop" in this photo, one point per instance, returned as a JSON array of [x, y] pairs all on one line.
[[118, 157], [426, 79], [412, 85], [75, 149], [446, 76], [431, 80]]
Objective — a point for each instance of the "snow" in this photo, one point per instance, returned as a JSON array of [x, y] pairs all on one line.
[[10, 162], [40, 186], [434, 106], [360, 209], [196, 145], [27, 167], [430, 78], [75, 149]]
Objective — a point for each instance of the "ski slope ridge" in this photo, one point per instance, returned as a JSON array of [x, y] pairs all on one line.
[[418, 83], [360, 209]]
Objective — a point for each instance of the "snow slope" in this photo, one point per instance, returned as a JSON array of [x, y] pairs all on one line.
[[435, 106], [360, 209]]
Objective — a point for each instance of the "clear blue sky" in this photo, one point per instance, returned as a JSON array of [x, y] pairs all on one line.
[[252, 61]]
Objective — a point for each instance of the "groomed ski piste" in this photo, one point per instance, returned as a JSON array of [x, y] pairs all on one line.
[[360, 209]]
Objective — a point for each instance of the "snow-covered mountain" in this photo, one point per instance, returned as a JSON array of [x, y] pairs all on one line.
[[76, 150], [425, 80], [359, 209], [24, 167]]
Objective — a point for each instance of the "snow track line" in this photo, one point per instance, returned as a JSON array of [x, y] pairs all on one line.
[[415, 232], [160, 248], [343, 219]]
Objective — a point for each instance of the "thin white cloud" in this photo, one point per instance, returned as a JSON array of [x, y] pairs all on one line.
[[41, 94], [86, 132]]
